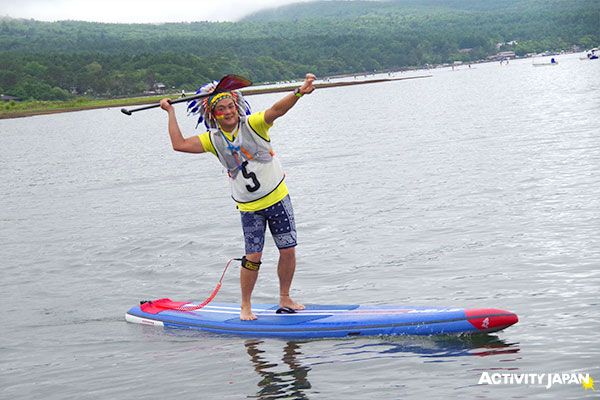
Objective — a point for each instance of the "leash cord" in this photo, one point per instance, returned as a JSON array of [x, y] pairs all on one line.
[[194, 307]]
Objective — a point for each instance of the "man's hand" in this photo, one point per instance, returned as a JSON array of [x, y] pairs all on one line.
[[283, 106], [308, 87], [165, 105]]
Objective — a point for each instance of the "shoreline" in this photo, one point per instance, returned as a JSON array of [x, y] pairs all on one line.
[[135, 101]]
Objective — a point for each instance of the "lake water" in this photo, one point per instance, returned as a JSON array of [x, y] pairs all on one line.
[[478, 187]]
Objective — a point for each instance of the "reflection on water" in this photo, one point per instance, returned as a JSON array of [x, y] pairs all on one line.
[[440, 348], [291, 382], [288, 376]]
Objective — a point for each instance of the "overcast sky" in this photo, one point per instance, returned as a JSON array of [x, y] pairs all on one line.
[[139, 11]]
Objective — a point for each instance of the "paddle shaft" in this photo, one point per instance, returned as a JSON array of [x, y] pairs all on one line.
[[198, 96], [227, 83]]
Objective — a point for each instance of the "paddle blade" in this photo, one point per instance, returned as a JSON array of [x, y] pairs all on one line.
[[231, 82]]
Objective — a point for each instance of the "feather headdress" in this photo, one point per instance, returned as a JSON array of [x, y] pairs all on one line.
[[203, 107]]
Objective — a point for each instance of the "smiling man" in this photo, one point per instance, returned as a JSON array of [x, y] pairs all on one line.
[[242, 144]]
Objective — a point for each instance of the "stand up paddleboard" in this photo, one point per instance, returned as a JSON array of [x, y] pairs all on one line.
[[321, 321]]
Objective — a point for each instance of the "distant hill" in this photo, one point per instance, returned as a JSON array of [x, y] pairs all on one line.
[[48, 60], [353, 9]]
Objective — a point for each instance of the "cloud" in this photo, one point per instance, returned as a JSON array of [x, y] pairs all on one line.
[[137, 11]]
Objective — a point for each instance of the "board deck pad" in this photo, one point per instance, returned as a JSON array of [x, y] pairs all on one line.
[[319, 321]]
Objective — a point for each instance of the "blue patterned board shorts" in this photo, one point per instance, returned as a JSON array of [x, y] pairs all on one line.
[[280, 217]]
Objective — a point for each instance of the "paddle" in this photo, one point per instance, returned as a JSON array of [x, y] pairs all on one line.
[[226, 84]]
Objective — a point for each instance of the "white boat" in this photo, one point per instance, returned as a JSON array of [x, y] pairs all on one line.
[[593, 54]]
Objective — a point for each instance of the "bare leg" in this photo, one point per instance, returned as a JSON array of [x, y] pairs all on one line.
[[247, 281], [285, 270]]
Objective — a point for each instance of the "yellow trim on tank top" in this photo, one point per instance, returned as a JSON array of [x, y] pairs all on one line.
[[275, 196]]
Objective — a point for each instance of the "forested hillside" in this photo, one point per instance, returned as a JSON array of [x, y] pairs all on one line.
[[54, 60]]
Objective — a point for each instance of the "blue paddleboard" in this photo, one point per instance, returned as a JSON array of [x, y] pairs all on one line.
[[321, 321]]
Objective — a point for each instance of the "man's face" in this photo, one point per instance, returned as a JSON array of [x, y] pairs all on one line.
[[226, 112]]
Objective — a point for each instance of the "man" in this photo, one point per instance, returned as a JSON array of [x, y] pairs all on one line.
[[242, 144]]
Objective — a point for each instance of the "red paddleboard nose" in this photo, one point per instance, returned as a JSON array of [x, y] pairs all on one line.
[[490, 319]]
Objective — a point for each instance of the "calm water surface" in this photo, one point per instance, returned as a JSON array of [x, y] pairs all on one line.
[[476, 187]]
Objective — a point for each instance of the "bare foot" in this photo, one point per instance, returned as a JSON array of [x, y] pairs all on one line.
[[286, 301], [246, 314]]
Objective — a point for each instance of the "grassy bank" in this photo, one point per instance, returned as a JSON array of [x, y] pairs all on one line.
[[13, 109]]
